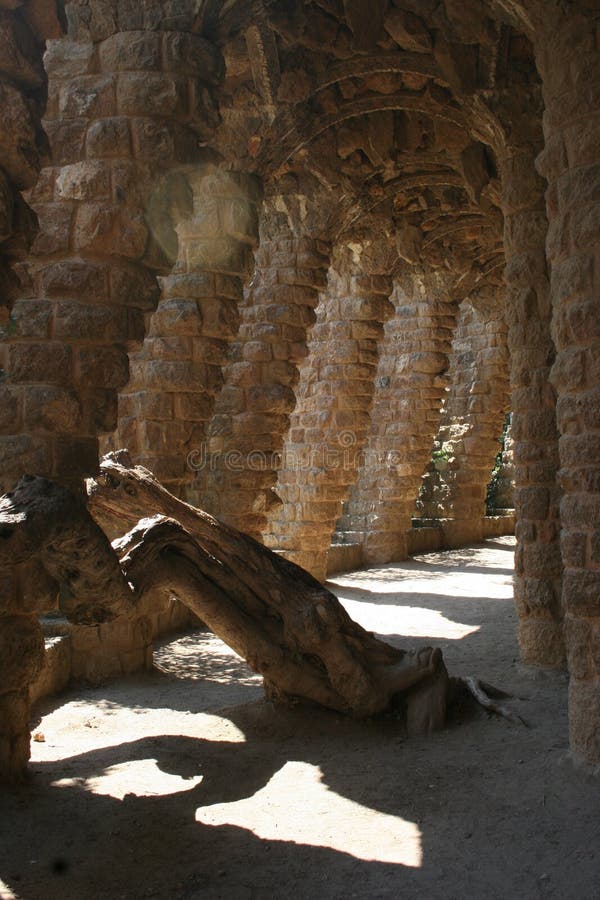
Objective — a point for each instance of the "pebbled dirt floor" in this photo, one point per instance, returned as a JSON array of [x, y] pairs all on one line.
[[184, 784]]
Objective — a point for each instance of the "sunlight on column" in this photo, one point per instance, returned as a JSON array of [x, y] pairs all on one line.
[[412, 621], [296, 806], [140, 777]]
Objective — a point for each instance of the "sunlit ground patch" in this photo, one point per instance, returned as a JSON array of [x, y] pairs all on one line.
[[412, 621], [296, 806], [140, 777]]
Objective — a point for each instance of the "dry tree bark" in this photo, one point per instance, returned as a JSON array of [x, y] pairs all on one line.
[[288, 627]]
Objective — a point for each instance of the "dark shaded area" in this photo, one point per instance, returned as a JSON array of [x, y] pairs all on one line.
[[111, 846]]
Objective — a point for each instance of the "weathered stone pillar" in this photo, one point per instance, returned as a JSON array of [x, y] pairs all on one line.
[[329, 427], [567, 57], [252, 413], [125, 105], [23, 146], [538, 565], [409, 388], [474, 412], [164, 411]]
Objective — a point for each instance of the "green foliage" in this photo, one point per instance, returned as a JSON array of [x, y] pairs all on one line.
[[492, 488]]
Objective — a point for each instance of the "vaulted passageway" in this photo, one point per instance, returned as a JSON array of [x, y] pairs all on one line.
[[231, 197]]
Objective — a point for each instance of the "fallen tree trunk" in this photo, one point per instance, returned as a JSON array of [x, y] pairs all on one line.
[[289, 628]]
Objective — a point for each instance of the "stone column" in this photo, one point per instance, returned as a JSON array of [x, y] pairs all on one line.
[[409, 389], [329, 427], [474, 412], [175, 377], [567, 57], [252, 413], [125, 105], [538, 565], [23, 147]]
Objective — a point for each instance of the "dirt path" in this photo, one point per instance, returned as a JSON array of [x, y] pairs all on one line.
[[184, 784]]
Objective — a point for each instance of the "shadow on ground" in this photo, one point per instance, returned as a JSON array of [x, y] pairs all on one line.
[[137, 792]]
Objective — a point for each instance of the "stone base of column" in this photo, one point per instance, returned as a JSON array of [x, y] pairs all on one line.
[[314, 561], [541, 643], [460, 532], [111, 650], [584, 722], [382, 547]]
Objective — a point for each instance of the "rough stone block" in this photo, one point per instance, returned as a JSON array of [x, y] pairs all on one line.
[[66, 59], [67, 138], [134, 287], [151, 94], [84, 181], [55, 228], [131, 51], [108, 138], [84, 280], [101, 367], [21, 651], [192, 55], [51, 408], [541, 642], [86, 322], [48, 363], [196, 407], [87, 96], [113, 230], [31, 319]]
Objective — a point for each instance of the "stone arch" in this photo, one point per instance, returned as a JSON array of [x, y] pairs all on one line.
[[476, 404], [409, 388], [329, 426], [251, 418], [134, 95], [176, 375]]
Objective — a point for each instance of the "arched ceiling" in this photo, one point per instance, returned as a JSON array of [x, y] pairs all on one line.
[[393, 113]]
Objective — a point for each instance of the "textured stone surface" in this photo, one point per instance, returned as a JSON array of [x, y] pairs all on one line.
[[177, 373], [243, 449], [409, 387], [474, 410], [398, 142], [329, 426], [571, 78]]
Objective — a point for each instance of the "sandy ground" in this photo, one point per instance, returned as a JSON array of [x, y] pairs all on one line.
[[185, 784]]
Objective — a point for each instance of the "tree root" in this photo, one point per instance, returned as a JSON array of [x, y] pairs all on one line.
[[487, 696]]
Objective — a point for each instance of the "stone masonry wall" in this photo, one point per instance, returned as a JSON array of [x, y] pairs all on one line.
[[23, 146], [125, 105], [568, 62], [409, 388], [474, 412], [166, 406], [243, 451], [537, 560], [329, 427]]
